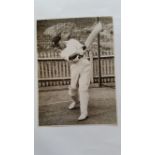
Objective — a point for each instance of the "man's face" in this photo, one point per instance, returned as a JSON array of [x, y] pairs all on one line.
[[65, 35], [62, 44]]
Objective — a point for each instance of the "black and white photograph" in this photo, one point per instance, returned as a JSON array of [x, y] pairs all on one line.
[[76, 71]]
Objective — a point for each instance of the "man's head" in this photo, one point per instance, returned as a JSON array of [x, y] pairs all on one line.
[[62, 44], [59, 40], [56, 39], [65, 36]]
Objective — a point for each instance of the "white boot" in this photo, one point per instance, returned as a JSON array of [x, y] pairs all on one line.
[[75, 101], [72, 105], [83, 117]]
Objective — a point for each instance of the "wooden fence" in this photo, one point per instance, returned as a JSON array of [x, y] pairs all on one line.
[[54, 71]]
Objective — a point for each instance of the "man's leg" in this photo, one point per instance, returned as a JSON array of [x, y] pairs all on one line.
[[73, 92], [74, 95], [84, 83]]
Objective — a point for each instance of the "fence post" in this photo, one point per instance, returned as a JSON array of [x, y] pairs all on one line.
[[99, 56], [92, 70]]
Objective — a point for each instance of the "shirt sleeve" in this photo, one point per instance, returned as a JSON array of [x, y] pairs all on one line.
[[64, 54], [73, 46]]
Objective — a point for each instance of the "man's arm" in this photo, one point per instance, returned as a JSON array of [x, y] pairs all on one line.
[[97, 29]]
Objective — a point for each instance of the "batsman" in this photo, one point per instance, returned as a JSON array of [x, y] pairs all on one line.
[[74, 52]]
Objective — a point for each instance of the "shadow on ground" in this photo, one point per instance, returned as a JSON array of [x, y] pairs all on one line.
[[53, 108]]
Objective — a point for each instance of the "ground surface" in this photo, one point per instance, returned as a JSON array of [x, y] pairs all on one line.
[[53, 108]]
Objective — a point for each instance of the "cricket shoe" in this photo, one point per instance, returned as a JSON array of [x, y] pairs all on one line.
[[83, 117], [72, 105]]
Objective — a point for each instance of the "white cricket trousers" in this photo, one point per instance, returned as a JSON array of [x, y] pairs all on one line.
[[80, 78]]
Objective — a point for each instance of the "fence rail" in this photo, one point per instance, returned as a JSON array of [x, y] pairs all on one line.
[[56, 71]]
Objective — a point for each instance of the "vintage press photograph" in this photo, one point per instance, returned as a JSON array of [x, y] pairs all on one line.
[[76, 71]]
